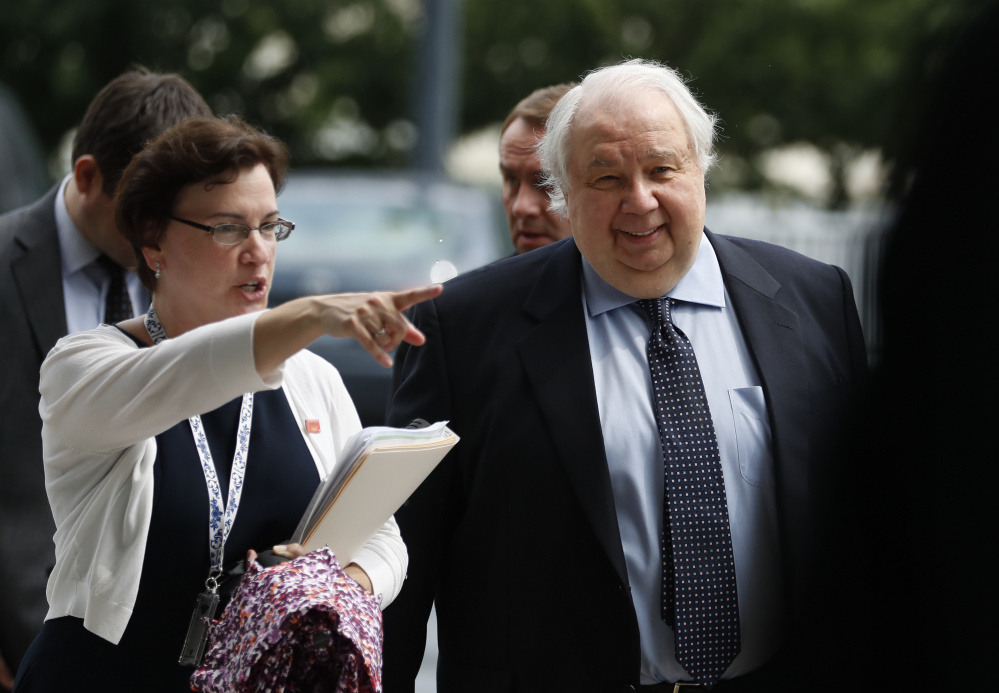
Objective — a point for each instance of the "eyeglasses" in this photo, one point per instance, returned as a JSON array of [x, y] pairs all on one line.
[[231, 234]]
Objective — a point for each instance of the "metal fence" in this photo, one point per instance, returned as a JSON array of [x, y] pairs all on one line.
[[850, 239]]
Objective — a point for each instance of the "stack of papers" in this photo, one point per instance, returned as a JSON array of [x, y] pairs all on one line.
[[379, 469]]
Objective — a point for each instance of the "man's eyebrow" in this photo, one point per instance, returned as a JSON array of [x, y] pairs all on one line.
[[649, 155], [662, 155], [596, 163]]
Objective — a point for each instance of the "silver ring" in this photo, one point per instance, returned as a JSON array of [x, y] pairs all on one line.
[[380, 333]]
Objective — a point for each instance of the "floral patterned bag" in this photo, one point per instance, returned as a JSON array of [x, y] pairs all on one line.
[[302, 625]]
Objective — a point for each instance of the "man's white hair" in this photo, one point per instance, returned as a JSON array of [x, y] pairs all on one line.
[[615, 81]]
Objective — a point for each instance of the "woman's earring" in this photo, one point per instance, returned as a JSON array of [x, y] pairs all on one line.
[[158, 272]]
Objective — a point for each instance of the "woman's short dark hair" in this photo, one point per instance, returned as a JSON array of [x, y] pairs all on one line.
[[210, 150]]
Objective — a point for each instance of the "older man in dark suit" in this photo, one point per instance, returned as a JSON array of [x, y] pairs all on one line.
[[62, 269], [643, 410]]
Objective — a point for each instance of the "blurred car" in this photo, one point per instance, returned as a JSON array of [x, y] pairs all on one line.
[[370, 231]]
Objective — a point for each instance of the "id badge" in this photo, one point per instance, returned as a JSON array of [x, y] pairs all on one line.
[[197, 631]]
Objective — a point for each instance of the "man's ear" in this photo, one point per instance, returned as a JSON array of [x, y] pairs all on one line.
[[87, 175]]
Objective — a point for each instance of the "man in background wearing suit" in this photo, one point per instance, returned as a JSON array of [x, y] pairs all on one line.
[[62, 266], [558, 539], [525, 197]]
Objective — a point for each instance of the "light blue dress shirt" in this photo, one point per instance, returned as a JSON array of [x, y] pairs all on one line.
[[84, 284], [618, 333]]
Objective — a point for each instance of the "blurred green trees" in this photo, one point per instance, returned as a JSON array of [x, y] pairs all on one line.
[[330, 78], [334, 78]]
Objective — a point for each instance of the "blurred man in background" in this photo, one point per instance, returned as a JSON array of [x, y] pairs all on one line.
[[525, 198], [63, 269]]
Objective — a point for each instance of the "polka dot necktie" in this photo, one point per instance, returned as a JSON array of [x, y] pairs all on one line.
[[117, 304], [699, 600]]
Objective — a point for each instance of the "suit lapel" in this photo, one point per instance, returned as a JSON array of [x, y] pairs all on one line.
[[556, 358], [562, 380], [773, 337], [37, 273]]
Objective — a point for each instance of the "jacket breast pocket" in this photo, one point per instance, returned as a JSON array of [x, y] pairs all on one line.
[[752, 433]]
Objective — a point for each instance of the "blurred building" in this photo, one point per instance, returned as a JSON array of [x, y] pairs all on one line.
[[22, 165]]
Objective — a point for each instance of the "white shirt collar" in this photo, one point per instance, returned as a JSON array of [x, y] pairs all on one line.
[[77, 252]]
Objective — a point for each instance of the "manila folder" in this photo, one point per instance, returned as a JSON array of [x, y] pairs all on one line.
[[376, 487]]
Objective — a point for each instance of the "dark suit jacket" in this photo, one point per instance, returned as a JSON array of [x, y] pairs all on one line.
[[515, 534], [32, 318]]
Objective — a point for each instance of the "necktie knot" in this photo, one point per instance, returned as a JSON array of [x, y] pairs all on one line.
[[111, 267], [658, 310], [117, 304]]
